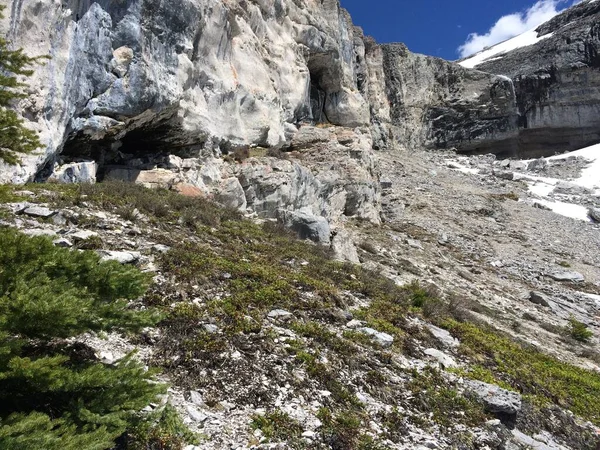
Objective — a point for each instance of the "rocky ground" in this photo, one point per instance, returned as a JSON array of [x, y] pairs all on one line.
[[268, 344], [491, 240]]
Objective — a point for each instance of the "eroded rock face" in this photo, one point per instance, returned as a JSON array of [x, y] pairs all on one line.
[[145, 76], [438, 104], [184, 73], [557, 83]]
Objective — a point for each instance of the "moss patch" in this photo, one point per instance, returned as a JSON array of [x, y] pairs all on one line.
[[544, 379]]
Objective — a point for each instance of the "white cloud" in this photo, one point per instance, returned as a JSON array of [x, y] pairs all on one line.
[[511, 25]]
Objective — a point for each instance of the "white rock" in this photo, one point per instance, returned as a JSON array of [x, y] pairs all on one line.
[[39, 232], [121, 257], [210, 328], [80, 172], [280, 314], [446, 361], [82, 235], [160, 248], [196, 398], [39, 211], [495, 399], [195, 415], [567, 275], [62, 242], [343, 247], [353, 324], [443, 336], [383, 339]]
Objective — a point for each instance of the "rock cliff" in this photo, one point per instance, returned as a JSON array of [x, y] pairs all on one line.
[[146, 76], [557, 83], [129, 84], [438, 104]]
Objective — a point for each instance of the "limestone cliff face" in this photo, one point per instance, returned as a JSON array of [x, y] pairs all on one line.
[[132, 78], [438, 104], [141, 76], [557, 83]]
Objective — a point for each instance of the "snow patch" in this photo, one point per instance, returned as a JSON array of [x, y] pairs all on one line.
[[571, 210], [590, 176], [523, 40]]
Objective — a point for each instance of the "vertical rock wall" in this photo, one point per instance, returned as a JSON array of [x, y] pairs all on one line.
[[185, 74]]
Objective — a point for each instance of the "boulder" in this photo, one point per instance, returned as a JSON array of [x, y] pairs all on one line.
[[82, 235], [538, 165], [231, 194], [567, 276], [539, 298], [77, 172], [39, 211], [495, 399], [383, 339], [343, 247], [445, 360], [443, 336], [594, 214], [306, 225], [120, 257], [280, 314]]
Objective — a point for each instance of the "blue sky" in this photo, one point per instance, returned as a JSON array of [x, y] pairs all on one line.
[[441, 27]]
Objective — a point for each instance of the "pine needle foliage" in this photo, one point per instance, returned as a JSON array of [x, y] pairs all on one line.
[[15, 138], [53, 392]]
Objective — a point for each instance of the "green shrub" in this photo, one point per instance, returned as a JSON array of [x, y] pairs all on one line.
[[543, 378], [163, 430], [15, 138], [578, 330], [277, 426], [53, 392]]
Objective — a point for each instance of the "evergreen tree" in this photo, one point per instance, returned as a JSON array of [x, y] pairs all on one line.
[[15, 139], [54, 394]]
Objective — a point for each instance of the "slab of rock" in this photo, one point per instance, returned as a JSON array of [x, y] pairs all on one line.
[[78, 172], [443, 336], [343, 247], [196, 415], [383, 339], [307, 136], [188, 190], [414, 244], [495, 399], [39, 232], [353, 324], [567, 275], [280, 314], [445, 360], [196, 398], [210, 328], [120, 257], [230, 193], [518, 165], [83, 235], [306, 225], [39, 211], [62, 242], [539, 298], [566, 188], [509, 176], [594, 214]]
